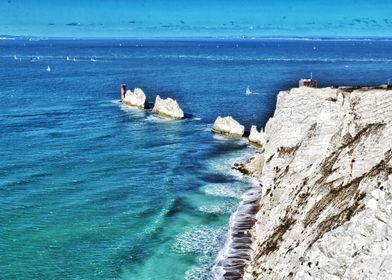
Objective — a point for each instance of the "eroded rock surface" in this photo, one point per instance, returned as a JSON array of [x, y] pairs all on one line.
[[255, 137], [228, 126], [253, 166], [137, 98], [168, 108], [326, 205]]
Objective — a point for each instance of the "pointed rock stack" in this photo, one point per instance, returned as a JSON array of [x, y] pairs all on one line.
[[168, 108], [137, 98], [228, 127], [255, 137]]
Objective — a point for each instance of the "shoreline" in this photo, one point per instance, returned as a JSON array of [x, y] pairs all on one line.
[[236, 253], [241, 250]]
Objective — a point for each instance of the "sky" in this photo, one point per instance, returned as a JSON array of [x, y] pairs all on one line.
[[182, 18]]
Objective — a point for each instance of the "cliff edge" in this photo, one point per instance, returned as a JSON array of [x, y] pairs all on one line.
[[326, 206]]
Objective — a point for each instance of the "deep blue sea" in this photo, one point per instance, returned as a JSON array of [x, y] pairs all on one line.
[[90, 189]]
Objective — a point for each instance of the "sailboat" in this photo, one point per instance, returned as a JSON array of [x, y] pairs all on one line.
[[248, 91], [67, 58], [48, 69]]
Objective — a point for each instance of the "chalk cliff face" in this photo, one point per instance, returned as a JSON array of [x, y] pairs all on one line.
[[326, 206], [168, 108]]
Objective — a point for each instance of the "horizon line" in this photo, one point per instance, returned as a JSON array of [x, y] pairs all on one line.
[[277, 37]]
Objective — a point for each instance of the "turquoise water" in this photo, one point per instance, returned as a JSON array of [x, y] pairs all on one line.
[[90, 189]]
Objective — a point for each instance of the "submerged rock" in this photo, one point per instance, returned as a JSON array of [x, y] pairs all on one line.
[[168, 108], [228, 126], [137, 98], [255, 137]]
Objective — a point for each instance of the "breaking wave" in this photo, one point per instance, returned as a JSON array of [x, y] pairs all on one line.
[[236, 251], [225, 190], [204, 242]]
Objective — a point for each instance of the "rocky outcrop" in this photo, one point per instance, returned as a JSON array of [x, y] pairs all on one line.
[[168, 108], [137, 98], [253, 166], [326, 205], [255, 137], [228, 126]]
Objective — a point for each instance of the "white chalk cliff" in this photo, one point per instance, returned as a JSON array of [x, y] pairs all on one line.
[[168, 108], [256, 137], [326, 205], [137, 98], [228, 126]]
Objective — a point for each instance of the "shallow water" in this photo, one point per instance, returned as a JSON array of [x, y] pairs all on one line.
[[91, 189]]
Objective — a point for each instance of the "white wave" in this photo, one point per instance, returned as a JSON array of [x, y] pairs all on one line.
[[220, 137], [242, 211], [199, 240], [156, 119], [131, 110], [198, 273], [204, 242], [225, 207], [224, 190]]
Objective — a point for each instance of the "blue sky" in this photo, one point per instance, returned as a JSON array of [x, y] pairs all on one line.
[[175, 18]]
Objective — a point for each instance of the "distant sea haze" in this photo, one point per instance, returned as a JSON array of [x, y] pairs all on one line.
[[196, 18]]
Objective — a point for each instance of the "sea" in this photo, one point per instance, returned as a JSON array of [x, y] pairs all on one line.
[[92, 189]]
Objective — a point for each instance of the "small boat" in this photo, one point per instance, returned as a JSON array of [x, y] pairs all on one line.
[[68, 58], [93, 59], [48, 69], [15, 57], [248, 91], [74, 59]]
